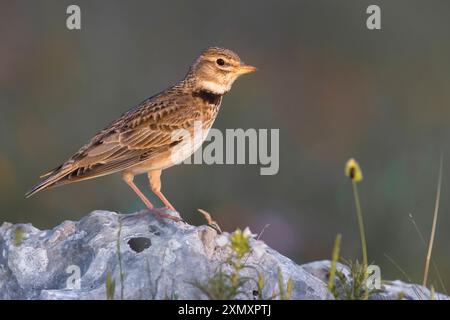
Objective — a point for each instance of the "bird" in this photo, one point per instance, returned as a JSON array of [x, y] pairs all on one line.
[[156, 134]]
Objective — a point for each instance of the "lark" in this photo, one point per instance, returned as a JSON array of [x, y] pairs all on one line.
[[149, 137]]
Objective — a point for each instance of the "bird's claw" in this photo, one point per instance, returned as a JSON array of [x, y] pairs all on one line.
[[161, 213]]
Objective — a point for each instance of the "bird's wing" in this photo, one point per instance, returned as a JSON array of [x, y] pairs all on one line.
[[135, 137]]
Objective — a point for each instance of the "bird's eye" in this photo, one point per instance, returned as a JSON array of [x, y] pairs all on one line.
[[220, 62]]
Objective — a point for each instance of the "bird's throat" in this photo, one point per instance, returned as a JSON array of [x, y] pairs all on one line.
[[208, 96]]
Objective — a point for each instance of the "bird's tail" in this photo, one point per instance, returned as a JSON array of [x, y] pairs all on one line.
[[53, 178]]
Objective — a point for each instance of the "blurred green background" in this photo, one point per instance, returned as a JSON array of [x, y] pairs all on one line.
[[334, 89]]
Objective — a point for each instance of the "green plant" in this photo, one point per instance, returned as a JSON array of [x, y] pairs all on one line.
[[172, 296], [284, 293], [229, 285], [222, 286], [119, 258], [353, 287], [18, 236], [334, 259], [353, 171], [350, 287], [110, 287]]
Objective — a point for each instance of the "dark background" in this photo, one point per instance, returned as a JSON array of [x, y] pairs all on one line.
[[334, 89]]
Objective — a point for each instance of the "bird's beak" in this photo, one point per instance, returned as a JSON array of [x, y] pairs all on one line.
[[246, 68]]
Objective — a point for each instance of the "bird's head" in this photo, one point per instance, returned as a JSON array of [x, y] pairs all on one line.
[[216, 69]]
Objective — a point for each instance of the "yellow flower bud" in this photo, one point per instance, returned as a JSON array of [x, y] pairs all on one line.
[[353, 171]]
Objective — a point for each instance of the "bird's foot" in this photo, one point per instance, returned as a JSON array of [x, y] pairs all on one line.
[[162, 213]]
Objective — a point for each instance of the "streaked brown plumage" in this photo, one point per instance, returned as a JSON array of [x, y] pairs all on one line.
[[142, 139]]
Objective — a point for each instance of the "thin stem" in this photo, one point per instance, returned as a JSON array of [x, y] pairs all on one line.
[[119, 256], [360, 224], [362, 233], [432, 260], [433, 228], [334, 259], [398, 267]]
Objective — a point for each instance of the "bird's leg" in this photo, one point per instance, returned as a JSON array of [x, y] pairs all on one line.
[[128, 178], [154, 177]]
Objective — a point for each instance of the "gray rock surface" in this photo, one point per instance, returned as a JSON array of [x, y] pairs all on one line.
[[160, 259], [390, 290]]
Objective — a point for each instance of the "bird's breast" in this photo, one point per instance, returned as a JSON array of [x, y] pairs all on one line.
[[190, 140]]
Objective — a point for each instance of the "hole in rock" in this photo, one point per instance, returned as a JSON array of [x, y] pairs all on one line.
[[139, 244]]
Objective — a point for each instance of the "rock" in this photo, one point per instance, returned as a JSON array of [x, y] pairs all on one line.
[[159, 259], [390, 290]]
